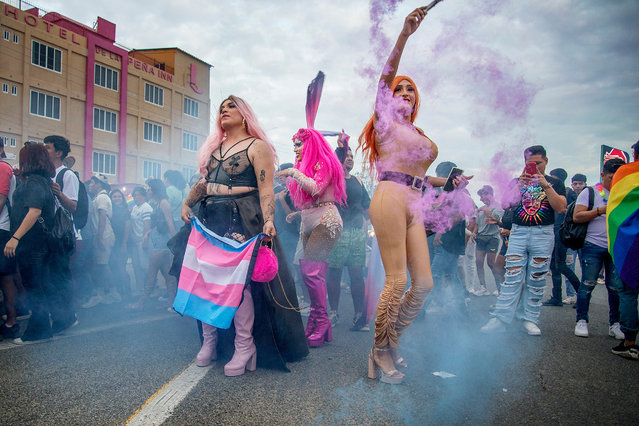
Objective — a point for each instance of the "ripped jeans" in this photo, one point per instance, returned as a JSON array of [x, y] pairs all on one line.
[[527, 264]]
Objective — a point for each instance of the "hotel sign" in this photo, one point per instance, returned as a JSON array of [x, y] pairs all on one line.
[[34, 22], [137, 64]]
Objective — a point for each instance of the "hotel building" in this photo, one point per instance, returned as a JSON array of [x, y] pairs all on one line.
[[130, 114]]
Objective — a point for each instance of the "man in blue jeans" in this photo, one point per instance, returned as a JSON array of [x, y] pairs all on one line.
[[594, 253], [530, 246]]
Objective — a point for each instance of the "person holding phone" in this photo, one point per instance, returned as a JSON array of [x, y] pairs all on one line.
[[530, 245], [401, 153]]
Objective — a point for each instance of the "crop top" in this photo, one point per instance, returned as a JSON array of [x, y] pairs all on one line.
[[236, 170]]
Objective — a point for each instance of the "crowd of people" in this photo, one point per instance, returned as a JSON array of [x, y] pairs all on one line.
[[316, 215]]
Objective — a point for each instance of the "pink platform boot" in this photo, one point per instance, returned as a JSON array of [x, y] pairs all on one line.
[[208, 352], [245, 355], [314, 274]]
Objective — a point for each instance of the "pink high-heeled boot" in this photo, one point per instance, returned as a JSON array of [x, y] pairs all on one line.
[[208, 352], [245, 355], [314, 274]]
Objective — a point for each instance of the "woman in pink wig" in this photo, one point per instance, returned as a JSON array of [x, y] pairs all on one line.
[[317, 184], [235, 200]]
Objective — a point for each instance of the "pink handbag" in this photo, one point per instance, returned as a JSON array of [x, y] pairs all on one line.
[[265, 268]]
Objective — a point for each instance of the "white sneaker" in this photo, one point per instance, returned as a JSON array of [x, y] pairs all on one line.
[[531, 328], [493, 325], [481, 291], [570, 300], [581, 329], [93, 301], [615, 331]]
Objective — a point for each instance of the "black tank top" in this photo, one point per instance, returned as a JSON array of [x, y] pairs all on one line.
[[236, 170]]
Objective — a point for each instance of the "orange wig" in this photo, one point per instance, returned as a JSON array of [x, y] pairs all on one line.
[[367, 138]]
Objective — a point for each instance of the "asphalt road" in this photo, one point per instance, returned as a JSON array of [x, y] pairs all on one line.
[[108, 367]]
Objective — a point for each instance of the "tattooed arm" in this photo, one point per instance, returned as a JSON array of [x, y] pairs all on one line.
[[313, 185], [197, 191], [262, 159]]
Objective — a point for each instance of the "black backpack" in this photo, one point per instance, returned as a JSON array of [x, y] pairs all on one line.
[[572, 234], [81, 214]]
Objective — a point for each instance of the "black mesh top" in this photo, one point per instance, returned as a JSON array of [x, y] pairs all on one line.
[[234, 170]]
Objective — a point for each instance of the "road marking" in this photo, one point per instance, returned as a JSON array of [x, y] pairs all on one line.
[[161, 404], [8, 344]]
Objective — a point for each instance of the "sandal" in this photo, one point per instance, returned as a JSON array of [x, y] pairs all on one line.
[[393, 377], [397, 359]]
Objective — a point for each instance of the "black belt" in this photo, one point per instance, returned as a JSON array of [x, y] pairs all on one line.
[[414, 182]]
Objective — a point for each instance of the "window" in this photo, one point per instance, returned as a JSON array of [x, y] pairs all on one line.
[[189, 141], [16, 38], [103, 163], [13, 142], [188, 172], [4, 140], [152, 132], [7, 35], [5, 88], [105, 120], [152, 170], [14, 90], [45, 105], [106, 77], [153, 94], [191, 107], [46, 56]]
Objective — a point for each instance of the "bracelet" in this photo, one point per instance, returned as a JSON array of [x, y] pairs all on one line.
[[15, 238]]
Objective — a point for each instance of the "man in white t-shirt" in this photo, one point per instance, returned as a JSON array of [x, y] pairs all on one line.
[[62, 311], [104, 241], [594, 253]]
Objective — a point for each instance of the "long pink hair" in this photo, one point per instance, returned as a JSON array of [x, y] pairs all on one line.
[[317, 151], [215, 139]]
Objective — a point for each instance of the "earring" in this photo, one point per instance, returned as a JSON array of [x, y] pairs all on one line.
[[244, 123]]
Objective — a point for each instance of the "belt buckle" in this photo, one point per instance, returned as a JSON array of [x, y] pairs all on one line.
[[418, 183]]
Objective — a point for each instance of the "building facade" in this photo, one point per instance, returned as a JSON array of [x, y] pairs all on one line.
[[130, 114]]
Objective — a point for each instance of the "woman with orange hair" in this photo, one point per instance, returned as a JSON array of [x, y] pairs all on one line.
[[401, 154]]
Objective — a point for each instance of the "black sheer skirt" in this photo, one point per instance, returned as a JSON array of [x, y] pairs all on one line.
[[278, 329]]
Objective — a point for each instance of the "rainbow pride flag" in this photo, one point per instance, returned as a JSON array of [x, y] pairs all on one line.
[[214, 273], [622, 217]]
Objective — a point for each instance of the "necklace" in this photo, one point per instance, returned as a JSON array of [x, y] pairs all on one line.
[[600, 188]]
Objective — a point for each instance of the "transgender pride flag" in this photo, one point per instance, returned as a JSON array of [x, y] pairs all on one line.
[[214, 273]]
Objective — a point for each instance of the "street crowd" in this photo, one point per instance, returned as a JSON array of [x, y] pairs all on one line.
[[120, 251]]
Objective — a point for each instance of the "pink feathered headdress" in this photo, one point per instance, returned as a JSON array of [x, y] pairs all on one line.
[[318, 162]]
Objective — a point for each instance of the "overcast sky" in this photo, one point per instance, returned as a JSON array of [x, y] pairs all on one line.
[[494, 75]]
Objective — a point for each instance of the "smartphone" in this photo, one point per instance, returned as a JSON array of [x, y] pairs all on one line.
[[454, 172], [531, 168]]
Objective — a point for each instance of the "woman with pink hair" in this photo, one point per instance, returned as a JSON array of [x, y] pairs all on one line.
[[317, 184], [235, 200]]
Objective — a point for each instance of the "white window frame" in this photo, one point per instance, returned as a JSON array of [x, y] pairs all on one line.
[[189, 141], [7, 35], [107, 121], [187, 172], [153, 94], [5, 87], [16, 38], [104, 163], [152, 132], [106, 77], [13, 142], [191, 107], [43, 98], [151, 169], [14, 90], [49, 49]]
